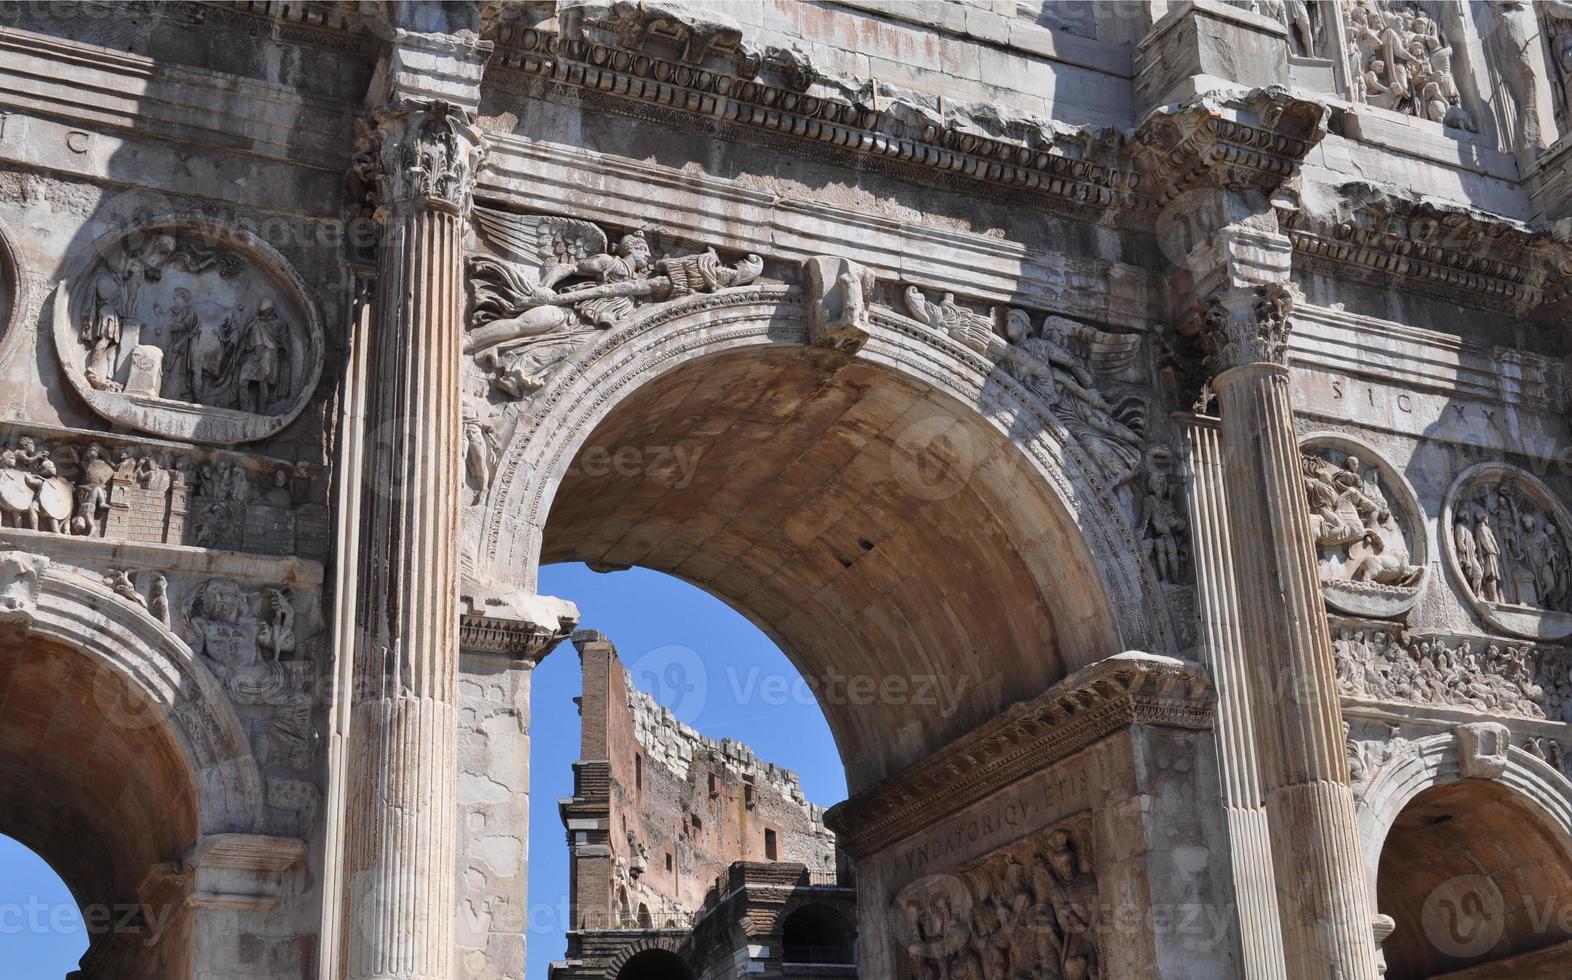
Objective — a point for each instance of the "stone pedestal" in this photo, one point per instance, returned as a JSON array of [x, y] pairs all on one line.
[[401, 841], [1323, 902], [501, 644]]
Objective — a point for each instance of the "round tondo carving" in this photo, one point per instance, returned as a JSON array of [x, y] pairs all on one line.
[[189, 330], [1505, 539], [1367, 525]]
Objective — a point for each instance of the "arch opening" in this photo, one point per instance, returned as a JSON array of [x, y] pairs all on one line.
[[655, 964], [1478, 887], [92, 786], [893, 541], [816, 933]]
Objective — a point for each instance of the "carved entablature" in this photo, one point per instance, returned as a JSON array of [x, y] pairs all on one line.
[[92, 486], [189, 330], [1401, 59], [1367, 526], [1505, 538], [1458, 254], [1112, 694], [1257, 140], [1030, 910], [1481, 675]]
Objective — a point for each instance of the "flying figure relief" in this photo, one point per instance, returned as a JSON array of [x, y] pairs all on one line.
[[561, 281]]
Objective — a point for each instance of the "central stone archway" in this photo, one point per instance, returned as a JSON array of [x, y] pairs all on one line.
[[907, 512]]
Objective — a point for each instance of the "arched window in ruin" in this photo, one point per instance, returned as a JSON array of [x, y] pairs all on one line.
[[655, 964], [815, 933], [1478, 887]]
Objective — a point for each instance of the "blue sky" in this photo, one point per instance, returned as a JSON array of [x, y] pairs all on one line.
[[707, 663]]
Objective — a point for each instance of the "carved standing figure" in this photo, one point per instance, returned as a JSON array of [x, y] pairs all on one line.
[[1489, 557], [264, 366], [1161, 526], [1467, 553], [101, 332]]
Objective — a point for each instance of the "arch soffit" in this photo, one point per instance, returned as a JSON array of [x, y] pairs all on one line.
[[77, 612], [611, 369], [1434, 761]]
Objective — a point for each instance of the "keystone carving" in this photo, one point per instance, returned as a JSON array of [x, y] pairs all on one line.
[[19, 580], [838, 294], [1482, 749]]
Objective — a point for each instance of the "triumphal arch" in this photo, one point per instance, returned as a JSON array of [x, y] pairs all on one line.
[[1179, 386]]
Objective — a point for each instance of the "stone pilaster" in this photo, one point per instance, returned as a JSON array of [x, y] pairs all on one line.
[[401, 846], [501, 642], [1322, 896], [1224, 650]]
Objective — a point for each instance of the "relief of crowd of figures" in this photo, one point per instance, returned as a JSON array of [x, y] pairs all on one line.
[[160, 496], [1509, 548], [1028, 912], [172, 317], [1486, 676]]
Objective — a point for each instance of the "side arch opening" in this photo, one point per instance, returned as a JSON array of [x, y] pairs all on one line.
[[655, 964], [1478, 885]]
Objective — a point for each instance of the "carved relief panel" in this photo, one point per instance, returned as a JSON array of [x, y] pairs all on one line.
[[1400, 58], [1367, 526], [1027, 911], [190, 331], [1505, 537]]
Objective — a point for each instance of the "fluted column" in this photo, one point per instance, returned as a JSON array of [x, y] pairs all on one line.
[[1226, 653], [401, 850], [1322, 899]]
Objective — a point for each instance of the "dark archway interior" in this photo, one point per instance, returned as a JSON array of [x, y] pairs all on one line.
[[655, 964], [875, 529], [89, 777], [815, 933], [1441, 848]]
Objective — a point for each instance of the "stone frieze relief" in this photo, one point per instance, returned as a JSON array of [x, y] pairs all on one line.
[[1490, 677], [1028, 911], [1368, 529], [188, 330], [104, 488], [1505, 538]]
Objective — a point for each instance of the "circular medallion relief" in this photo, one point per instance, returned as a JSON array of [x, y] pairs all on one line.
[[1367, 526], [189, 330], [1505, 538]]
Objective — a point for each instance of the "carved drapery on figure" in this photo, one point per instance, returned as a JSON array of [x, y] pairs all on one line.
[[249, 642], [1030, 911], [1082, 374], [1488, 676], [559, 281], [183, 312], [1365, 524], [1400, 59], [1505, 535]]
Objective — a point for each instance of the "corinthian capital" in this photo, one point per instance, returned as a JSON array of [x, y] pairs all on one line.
[[1247, 325], [417, 153]]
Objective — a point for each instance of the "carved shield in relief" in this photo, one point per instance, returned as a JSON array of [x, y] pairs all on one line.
[[54, 498], [14, 491], [230, 344], [1371, 551]]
